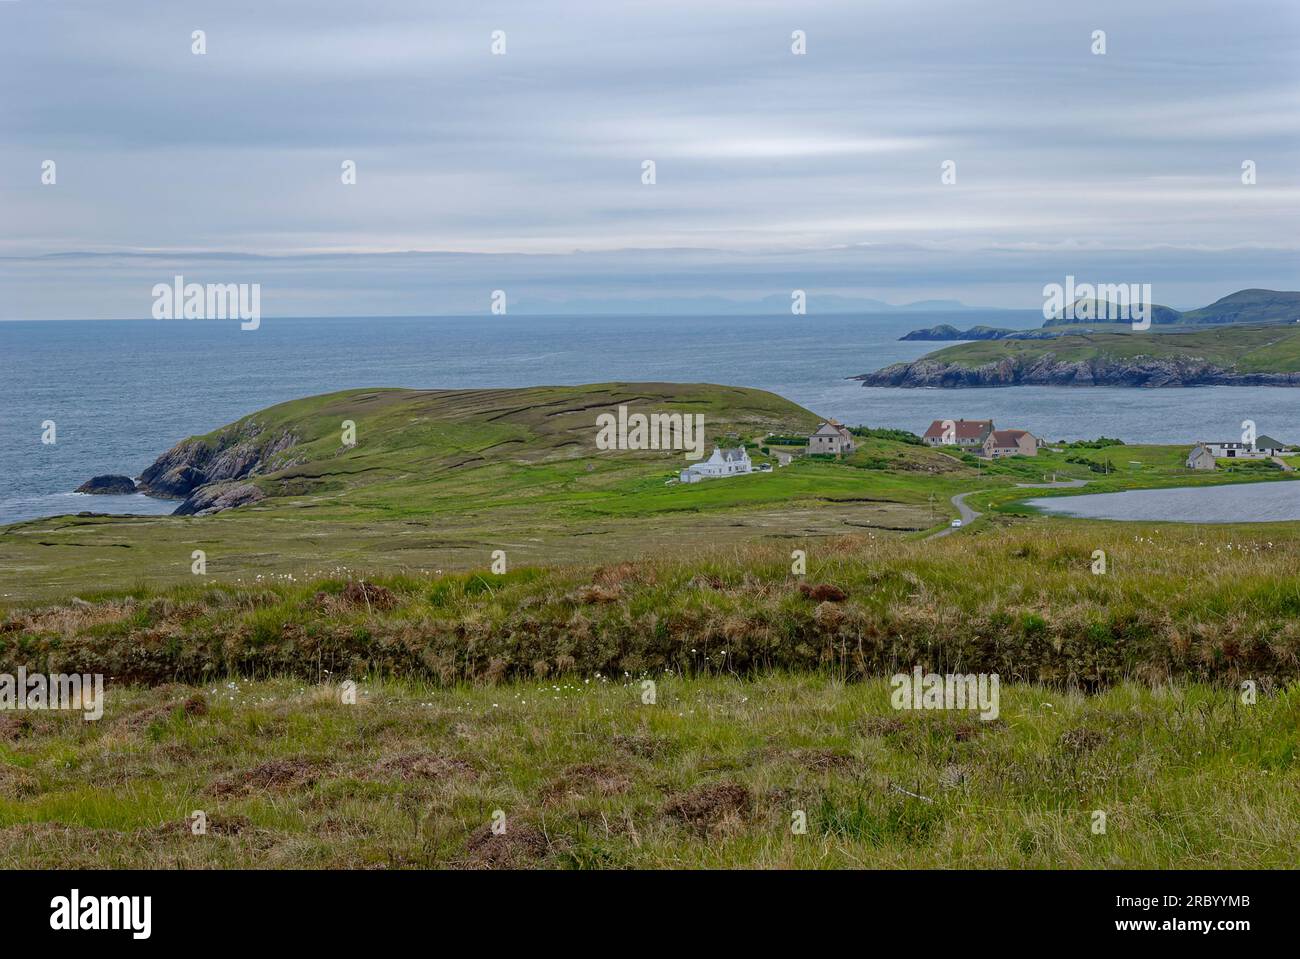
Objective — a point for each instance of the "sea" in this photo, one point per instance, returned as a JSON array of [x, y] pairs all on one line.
[[121, 392]]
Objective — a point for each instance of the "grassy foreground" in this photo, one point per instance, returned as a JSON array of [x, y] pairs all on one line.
[[1214, 604], [712, 774]]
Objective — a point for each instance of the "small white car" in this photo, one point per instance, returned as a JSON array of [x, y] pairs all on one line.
[[955, 524]]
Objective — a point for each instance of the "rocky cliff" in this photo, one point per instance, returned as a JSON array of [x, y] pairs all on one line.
[[202, 471], [1047, 370]]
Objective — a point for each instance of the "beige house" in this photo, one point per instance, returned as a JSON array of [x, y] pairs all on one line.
[[1002, 443], [831, 437], [965, 434]]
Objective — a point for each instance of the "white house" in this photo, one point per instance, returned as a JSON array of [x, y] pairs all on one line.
[[1263, 448], [723, 463]]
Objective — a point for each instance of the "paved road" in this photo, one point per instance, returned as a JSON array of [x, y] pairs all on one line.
[[969, 515]]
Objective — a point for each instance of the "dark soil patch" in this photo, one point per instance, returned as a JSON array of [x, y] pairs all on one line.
[[587, 779], [519, 846], [361, 595], [639, 744], [711, 806], [823, 593], [216, 826], [277, 775], [416, 766]]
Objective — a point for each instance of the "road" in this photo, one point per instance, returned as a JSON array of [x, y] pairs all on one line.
[[969, 515]]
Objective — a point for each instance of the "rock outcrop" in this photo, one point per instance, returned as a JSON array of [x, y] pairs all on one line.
[[1047, 370], [110, 484], [205, 472], [214, 497]]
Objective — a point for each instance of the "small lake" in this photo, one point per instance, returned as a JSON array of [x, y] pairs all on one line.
[[1269, 502]]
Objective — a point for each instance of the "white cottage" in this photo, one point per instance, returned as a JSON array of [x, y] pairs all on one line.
[[723, 463]]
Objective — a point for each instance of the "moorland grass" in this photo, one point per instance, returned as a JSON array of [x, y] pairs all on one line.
[[713, 774]]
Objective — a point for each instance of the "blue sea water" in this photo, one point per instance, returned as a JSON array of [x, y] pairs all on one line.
[[123, 391]]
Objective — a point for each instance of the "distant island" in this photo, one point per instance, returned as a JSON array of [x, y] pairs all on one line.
[[1245, 307], [1249, 338], [1229, 355]]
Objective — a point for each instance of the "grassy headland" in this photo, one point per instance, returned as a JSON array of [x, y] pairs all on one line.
[[439, 480]]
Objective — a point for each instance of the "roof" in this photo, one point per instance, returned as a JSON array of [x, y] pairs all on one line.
[[832, 428], [1268, 443], [1007, 437], [963, 429]]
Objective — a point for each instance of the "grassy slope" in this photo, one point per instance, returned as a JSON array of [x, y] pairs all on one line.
[[1244, 349], [438, 480], [710, 775]]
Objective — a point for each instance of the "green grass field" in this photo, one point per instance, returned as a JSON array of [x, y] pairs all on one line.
[[522, 692], [718, 772]]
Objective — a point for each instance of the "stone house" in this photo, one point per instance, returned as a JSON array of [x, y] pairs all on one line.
[[831, 437], [1201, 458]]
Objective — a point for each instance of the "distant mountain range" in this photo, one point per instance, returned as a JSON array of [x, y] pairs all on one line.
[[816, 304], [1245, 308]]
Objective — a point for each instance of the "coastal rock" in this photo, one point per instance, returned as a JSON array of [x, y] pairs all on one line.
[[110, 484], [216, 497], [236, 452], [1047, 370], [947, 332]]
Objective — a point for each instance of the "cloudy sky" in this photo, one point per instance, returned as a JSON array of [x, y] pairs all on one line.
[[478, 171]]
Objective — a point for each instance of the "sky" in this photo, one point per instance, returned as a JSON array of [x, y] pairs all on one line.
[[523, 171]]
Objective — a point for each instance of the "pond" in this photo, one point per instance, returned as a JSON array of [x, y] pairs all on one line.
[[1237, 503]]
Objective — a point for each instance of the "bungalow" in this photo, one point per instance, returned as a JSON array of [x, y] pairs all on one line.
[[1237, 451], [831, 437], [723, 463], [1002, 443], [1200, 458], [1272, 447], [969, 434]]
